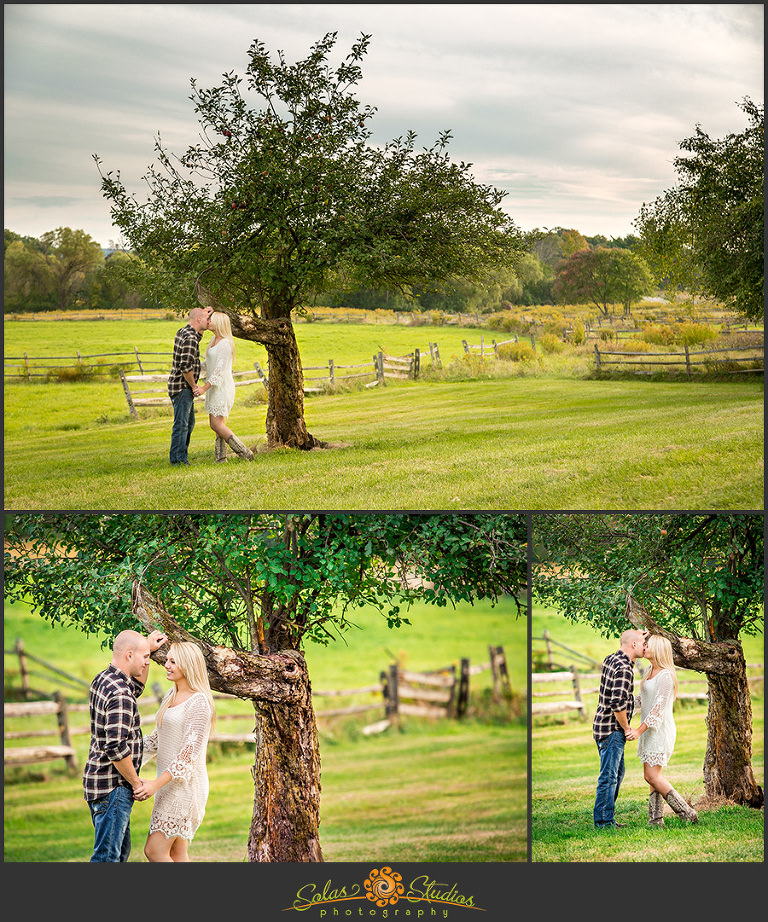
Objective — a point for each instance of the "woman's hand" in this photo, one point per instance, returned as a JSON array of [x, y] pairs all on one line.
[[149, 788]]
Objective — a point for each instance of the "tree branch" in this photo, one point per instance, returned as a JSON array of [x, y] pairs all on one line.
[[278, 678], [721, 658]]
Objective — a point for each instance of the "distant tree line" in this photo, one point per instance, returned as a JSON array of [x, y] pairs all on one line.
[[66, 269]]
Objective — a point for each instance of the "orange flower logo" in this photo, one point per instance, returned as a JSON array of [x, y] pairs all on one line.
[[384, 887]]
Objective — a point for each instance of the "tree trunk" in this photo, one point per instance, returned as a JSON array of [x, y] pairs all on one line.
[[285, 410], [286, 805], [728, 759]]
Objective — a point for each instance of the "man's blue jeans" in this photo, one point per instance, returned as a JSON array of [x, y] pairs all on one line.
[[611, 750], [183, 424], [112, 825]]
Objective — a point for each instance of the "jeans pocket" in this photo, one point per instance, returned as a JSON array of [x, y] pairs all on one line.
[[98, 807]]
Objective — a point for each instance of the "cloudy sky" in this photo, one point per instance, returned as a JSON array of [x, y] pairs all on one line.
[[576, 110]]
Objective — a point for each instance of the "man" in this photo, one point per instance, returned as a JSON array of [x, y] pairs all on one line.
[[615, 705], [182, 381], [112, 770]]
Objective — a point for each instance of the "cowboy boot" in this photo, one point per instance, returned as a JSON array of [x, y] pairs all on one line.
[[655, 809], [680, 807], [220, 449], [237, 446]]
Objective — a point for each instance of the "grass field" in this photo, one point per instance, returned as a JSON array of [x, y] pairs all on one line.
[[564, 767], [470, 438], [433, 791]]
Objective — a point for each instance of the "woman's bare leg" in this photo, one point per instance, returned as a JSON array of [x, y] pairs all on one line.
[[220, 427], [653, 775], [157, 847], [180, 849]]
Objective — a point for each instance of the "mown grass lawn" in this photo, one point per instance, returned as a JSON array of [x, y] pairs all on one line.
[[499, 443]]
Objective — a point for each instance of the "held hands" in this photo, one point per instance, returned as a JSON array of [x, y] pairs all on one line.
[[631, 734], [146, 789]]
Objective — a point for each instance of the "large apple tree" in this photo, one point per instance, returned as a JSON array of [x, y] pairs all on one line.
[[251, 590], [697, 579], [285, 196]]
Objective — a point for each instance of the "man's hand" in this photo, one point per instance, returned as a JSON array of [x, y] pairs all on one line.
[[631, 734], [156, 640]]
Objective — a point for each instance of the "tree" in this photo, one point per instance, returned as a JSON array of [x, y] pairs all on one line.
[[69, 256], [697, 580], [713, 219], [251, 589], [287, 198], [602, 277]]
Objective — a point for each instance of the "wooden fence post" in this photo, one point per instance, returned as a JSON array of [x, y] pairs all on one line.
[[128, 398], [389, 681], [466, 346], [416, 363], [499, 670], [23, 668], [577, 690], [138, 360], [61, 716], [463, 696], [378, 364], [331, 373], [549, 649], [687, 360], [597, 357], [26, 366]]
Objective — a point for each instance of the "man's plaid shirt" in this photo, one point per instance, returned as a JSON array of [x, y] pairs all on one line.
[[186, 357], [115, 731], [617, 686]]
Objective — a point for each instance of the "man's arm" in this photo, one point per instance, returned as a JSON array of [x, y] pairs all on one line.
[[127, 769]]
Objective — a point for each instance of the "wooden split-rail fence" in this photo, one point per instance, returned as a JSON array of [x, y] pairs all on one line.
[[489, 351], [148, 389], [440, 693], [732, 360], [565, 687]]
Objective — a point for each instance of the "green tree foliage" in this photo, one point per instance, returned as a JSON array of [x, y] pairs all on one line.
[[706, 233], [285, 197], [603, 277], [218, 575]]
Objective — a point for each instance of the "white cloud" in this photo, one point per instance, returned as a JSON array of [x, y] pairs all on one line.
[[576, 109]]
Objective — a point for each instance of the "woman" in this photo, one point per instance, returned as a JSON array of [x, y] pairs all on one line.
[[656, 734], [180, 741], [219, 387]]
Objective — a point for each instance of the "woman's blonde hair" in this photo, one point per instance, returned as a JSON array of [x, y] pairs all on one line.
[[221, 326], [189, 658], [660, 653]]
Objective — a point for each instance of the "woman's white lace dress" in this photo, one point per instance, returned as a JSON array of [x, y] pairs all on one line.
[[180, 745], [655, 701], [220, 397]]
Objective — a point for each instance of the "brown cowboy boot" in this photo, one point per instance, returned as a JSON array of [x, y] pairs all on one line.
[[655, 809], [680, 807], [220, 449], [237, 446]]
